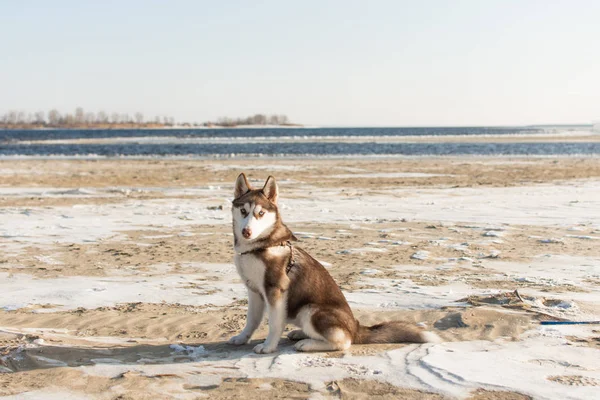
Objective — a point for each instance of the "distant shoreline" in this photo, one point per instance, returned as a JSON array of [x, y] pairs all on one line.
[[143, 126], [593, 129], [82, 120]]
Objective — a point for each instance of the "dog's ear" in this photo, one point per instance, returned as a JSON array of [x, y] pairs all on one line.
[[241, 186], [270, 190]]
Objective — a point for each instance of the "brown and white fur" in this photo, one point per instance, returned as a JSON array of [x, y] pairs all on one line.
[[307, 296]]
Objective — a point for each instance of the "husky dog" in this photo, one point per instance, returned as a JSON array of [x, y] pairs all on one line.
[[294, 287]]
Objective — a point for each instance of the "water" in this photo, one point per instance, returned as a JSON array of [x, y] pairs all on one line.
[[19, 135], [275, 141]]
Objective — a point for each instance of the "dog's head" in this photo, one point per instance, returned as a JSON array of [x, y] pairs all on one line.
[[255, 212]]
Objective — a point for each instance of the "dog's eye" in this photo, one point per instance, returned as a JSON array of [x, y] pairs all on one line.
[[261, 213], [243, 211]]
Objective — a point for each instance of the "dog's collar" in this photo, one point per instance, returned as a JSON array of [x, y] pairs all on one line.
[[287, 243]]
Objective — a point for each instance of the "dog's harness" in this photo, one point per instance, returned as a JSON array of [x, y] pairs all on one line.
[[292, 261], [287, 243]]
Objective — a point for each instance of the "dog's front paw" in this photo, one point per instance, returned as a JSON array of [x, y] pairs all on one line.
[[264, 348], [239, 339]]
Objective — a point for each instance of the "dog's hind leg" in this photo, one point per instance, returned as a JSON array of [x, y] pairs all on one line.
[[335, 339], [297, 334], [326, 329]]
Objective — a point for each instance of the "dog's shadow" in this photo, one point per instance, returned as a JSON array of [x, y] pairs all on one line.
[[47, 356]]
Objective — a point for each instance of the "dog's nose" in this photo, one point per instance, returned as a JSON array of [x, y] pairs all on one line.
[[247, 232]]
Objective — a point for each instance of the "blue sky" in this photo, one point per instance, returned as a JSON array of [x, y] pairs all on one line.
[[350, 63]]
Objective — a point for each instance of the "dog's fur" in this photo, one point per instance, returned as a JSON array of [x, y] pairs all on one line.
[[306, 296]]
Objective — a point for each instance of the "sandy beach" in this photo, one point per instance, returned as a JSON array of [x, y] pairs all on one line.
[[117, 281]]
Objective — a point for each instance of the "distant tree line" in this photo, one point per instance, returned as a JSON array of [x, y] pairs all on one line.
[[86, 119], [80, 118], [257, 119]]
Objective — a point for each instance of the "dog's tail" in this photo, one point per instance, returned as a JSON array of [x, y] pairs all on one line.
[[393, 332]]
